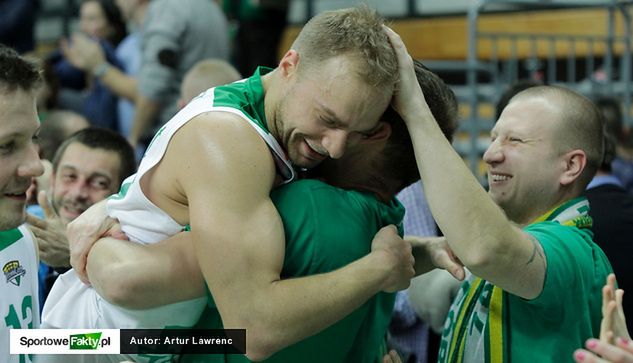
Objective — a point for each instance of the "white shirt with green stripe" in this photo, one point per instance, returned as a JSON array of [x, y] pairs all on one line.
[[72, 304], [19, 308]]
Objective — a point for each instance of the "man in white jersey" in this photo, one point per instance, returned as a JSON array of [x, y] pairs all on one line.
[[19, 163], [213, 165]]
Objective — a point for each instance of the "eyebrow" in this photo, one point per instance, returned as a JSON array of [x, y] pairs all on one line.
[[331, 115], [17, 134], [67, 167]]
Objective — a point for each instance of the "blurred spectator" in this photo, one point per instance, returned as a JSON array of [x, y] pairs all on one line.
[[204, 75], [89, 166], [86, 54], [611, 207], [17, 24], [622, 164], [59, 125], [80, 91], [176, 35], [260, 27]]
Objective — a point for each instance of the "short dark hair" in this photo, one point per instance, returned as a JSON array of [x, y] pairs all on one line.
[[17, 71], [611, 111], [399, 162], [99, 138]]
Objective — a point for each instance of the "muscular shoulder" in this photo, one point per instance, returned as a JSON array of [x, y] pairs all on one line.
[[221, 144]]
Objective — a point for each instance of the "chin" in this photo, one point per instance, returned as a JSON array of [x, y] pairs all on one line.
[[11, 220]]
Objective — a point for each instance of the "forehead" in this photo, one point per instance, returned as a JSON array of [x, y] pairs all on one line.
[[17, 113], [338, 88], [91, 8], [529, 115], [88, 160]]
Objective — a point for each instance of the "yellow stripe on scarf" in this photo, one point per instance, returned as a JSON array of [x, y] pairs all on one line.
[[495, 319]]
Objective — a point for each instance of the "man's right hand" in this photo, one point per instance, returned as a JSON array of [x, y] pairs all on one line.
[[85, 230], [398, 258]]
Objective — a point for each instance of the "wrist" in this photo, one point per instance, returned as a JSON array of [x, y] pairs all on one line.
[[100, 69]]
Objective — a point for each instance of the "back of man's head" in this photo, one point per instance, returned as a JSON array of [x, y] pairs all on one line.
[[205, 74], [98, 138], [611, 111], [356, 32], [580, 126], [57, 127], [399, 163], [17, 72]]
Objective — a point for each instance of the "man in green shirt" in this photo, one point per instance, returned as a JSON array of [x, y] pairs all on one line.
[[537, 275], [326, 229]]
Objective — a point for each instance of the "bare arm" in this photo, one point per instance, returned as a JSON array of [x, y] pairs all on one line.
[[477, 230], [135, 276], [87, 55], [241, 252], [120, 83], [145, 112]]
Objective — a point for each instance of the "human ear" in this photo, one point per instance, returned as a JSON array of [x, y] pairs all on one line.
[[575, 163], [382, 133], [289, 63]]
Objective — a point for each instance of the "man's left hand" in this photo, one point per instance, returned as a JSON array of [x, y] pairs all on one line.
[[434, 252], [51, 234]]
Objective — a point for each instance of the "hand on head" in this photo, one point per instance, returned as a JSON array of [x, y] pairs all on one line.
[[408, 99]]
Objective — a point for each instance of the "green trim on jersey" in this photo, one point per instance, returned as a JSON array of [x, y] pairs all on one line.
[[9, 237], [247, 96]]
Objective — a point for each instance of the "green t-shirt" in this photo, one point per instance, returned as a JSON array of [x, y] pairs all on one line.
[[487, 324], [327, 228]]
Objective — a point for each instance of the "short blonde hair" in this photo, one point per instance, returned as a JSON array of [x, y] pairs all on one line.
[[354, 31]]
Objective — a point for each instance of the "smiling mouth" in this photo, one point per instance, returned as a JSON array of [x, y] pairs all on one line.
[[313, 154], [499, 177], [19, 195]]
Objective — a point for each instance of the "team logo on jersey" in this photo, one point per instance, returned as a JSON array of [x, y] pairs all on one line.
[[13, 272]]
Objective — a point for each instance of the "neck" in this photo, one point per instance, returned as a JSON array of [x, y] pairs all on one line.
[[528, 217], [271, 102]]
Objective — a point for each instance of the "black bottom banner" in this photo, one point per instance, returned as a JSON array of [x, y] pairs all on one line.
[[183, 341]]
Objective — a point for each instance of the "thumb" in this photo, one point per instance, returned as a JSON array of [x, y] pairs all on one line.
[[42, 200]]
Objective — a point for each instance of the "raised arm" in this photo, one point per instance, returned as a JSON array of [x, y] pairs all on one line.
[[86, 54], [478, 232]]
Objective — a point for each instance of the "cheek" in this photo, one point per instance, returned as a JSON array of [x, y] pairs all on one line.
[[100, 195]]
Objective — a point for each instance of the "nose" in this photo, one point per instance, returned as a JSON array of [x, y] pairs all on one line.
[[494, 153], [335, 142], [32, 165], [79, 189]]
